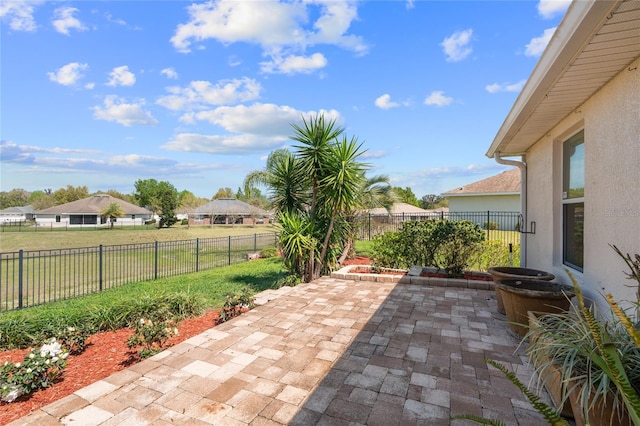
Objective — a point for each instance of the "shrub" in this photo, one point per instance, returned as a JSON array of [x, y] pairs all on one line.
[[235, 304], [288, 281], [151, 334], [442, 243], [491, 225], [494, 253], [459, 241], [268, 252], [39, 370], [184, 222]]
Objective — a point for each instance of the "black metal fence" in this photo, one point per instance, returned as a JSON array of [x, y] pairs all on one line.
[[500, 226], [29, 278]]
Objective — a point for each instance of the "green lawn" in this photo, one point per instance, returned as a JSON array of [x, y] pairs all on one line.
[[116, 307], [46, 240]]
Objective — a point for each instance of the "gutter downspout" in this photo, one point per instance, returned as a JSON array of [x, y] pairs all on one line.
[[522, 165]]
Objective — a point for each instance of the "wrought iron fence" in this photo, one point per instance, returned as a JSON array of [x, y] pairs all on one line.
[[29, 278], [500, 226]]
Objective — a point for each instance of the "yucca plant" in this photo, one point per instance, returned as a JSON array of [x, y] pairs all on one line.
[[599, 361]]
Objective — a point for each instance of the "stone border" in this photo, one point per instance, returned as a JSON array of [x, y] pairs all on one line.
[[412, 276]]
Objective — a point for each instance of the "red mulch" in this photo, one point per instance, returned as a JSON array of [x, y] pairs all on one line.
[[106, 353]]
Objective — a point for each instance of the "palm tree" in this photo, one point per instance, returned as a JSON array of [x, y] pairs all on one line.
[[112, 211], [314, 190]]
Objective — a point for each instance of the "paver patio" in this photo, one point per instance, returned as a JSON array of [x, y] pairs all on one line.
[[331, 352]]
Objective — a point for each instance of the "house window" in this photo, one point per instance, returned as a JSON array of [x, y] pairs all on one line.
[[573, 201]]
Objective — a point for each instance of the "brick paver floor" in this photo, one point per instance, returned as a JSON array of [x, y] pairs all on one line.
[[331, 352]]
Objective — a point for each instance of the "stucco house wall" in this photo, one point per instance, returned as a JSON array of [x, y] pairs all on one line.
[[611, 123]]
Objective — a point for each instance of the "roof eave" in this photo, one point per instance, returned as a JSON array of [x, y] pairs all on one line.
[[576, 29]]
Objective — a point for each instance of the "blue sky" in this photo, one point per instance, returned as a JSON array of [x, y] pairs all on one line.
[[103, 93]]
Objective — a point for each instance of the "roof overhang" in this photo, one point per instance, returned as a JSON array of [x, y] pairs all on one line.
[[481, 194], [594, 42]]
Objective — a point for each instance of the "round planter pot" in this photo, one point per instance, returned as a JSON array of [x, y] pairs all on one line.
[[521, 296], [515, 273]]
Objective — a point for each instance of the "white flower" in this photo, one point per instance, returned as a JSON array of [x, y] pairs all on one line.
[[142, 321], [71, 329], [32, 355], [29, 370], [54, 359], [18, 365], [65, 355], [13, 395], [51, 349], [47, 362]]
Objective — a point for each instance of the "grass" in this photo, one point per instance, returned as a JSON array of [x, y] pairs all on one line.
[[115, 308], [46, 240]]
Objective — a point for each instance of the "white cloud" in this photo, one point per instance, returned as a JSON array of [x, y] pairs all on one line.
[[19, 14], [69, 74], [505, 87], [221, 144], [456, 47], [116, 109], [384, 102], [121, 76], [537, 44], [272, 25], [294, 64], [438, 98], [410, 4], [551, 8], [374, 154], [64, 20], [90, 86], [169, 73], [254, 128], [200, 94]]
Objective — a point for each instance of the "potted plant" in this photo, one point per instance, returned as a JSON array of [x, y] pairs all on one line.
[[521, 296], [515, 273], [598, 362]]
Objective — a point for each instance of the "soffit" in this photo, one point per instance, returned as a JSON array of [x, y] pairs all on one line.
[[596, 49]]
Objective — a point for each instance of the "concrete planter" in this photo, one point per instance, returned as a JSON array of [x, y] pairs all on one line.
[[514, 273], [521, 296]]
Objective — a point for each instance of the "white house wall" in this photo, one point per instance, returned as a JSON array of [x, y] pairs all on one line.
[[611, 123], [482, 203]]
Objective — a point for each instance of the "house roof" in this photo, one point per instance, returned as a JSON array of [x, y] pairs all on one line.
[[595, 41], [18, 210], [398, 208], [230, 207], [94, 205], [505, 183]]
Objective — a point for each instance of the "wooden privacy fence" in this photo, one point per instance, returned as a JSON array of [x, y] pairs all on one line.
[[29, 278]]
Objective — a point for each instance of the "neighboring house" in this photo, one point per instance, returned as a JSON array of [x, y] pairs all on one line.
[[16, 214], [228, 211], [499, 193], [576, 125], [87, 212]]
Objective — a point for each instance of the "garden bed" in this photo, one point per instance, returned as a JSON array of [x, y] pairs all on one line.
[[361, 271]]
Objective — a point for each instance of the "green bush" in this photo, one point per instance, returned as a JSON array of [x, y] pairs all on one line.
[[184, 222], [268, 252], [494, 253], [444, 244], [491, 225]]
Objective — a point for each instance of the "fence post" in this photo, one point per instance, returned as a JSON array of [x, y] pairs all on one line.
[[255, 242], [488, 224], [100, 266], [197, 254], [155, 268], [369, 226], [20, 270], [229, 252]]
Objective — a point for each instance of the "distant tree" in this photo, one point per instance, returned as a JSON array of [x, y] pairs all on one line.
[[145, 193], [112, 211], [118, 195], [167, 197], [432, 201], [252, 195], [223, 193], [14, 198], [189, 200], [70, 193], [41, 200], [406, 195]]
